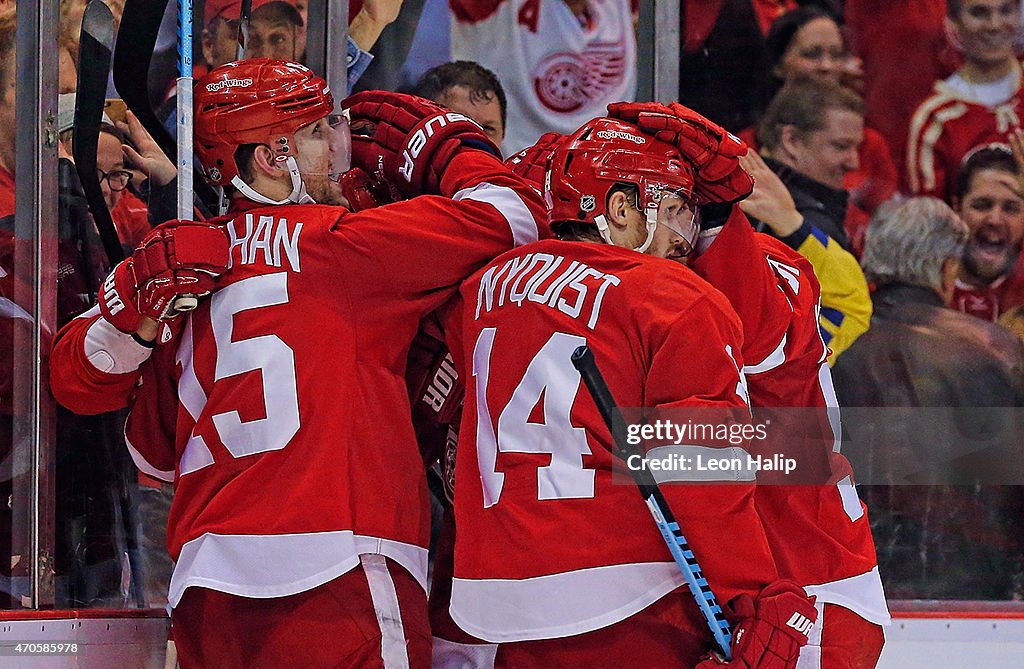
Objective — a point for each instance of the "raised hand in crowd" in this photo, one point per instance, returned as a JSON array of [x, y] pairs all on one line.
[[375, 15], [1017, 146], [770, 202], [145, 156]]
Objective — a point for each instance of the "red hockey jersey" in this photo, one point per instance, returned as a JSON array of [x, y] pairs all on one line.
[[549, 545], [819, 534], [945, 128], [992, 301], [279, 405]]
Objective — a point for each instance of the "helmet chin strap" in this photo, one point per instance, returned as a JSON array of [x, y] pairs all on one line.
[[652, 224], [297, 196]]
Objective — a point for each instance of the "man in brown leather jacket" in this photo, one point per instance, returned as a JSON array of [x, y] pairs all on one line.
[[946, 531]]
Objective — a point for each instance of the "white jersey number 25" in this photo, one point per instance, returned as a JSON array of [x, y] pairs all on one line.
[[266, 353]]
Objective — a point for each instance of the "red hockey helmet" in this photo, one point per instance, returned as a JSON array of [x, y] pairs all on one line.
[[605, 152], [258, 101]]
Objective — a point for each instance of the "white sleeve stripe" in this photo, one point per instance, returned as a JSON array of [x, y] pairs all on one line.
[[940, 97], [111, 351], [774, 359], [851, 501], [509, 204], [144, 466], [828, 391], [930, 138]]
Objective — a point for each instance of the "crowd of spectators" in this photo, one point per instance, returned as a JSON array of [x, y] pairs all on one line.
[[848, 108]]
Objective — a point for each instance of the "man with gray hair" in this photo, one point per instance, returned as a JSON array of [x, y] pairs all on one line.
[[920, 353], [917, 242]]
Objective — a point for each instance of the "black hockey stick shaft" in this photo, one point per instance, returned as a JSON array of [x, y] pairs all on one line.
[[131, 66], [94, 53], [243, 28], [584, 362]]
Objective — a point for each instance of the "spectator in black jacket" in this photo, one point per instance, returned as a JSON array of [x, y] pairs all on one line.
[[809, 136]]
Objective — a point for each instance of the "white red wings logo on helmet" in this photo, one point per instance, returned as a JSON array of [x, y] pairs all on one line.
[[619, 134], [227, 83]]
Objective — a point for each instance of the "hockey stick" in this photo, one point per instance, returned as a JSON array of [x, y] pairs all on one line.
[[583, 361], [94, 49], [94, 58], [186, 197], [243, 28]]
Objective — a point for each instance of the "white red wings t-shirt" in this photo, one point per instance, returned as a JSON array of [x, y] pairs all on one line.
[[556, 72]]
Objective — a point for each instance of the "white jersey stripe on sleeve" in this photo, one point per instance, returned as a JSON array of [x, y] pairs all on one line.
[[828, 391], [144, 465], [931, 137], [922, 116], [774, 359], [111, 351], [509, 204]]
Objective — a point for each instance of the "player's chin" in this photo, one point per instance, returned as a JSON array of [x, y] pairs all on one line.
[[328, 192], [675, 254]]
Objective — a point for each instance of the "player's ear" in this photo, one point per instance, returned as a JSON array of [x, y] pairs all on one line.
[[618, 209], [264, 162]]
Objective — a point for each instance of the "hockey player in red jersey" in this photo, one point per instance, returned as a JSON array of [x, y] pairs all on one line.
[[278, 407], [554, 563], [819, 534]]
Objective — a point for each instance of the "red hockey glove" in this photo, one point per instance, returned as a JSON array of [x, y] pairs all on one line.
[[713, 150], [176, 258], [435, 392], [771, 630], [435, 388], [408, 141], [363, 191], [532, 162]]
